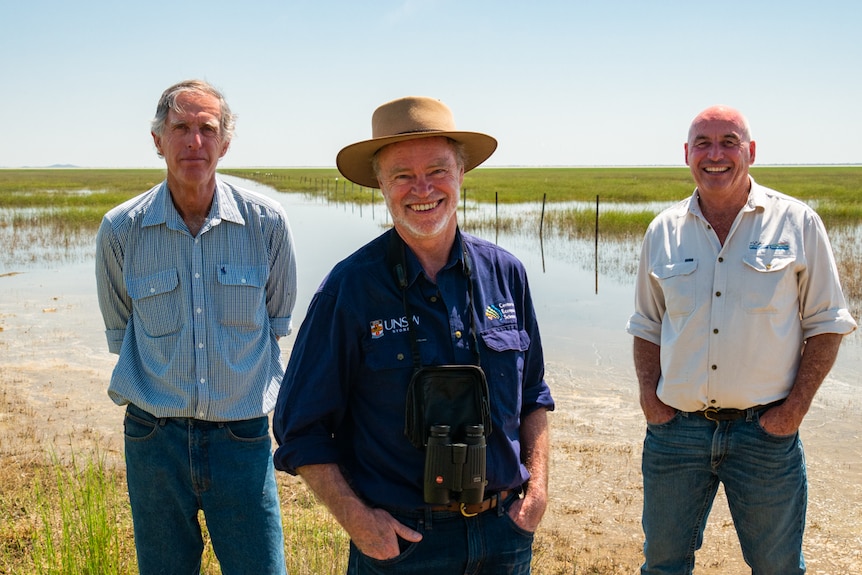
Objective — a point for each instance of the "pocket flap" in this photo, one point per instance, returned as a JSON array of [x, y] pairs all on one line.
[[162, 282], [506, 339], [254, 276], [673, 269], [767, 262]]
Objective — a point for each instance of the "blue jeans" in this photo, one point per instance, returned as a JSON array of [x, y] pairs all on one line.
[[177, 466], [488, 543], [764, 479]]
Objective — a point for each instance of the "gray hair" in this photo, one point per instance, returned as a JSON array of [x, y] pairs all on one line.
[[168, 102]]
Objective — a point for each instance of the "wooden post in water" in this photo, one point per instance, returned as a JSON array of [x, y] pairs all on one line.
[[542, 218], [597, 244]]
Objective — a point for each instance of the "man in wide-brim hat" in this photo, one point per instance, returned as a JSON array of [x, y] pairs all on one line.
[[422, 294]]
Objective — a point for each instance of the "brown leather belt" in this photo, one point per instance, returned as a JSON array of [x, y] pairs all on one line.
[[729, 414], [471, 509]]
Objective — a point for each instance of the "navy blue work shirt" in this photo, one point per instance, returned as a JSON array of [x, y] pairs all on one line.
[[343, 395]]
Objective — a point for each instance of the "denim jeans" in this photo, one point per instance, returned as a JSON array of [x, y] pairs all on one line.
[[488, 543], [177, 466], [764, 479]]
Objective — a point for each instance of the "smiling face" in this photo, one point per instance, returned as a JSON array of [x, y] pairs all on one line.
[[421, 182], [191, 142], [719, 152]]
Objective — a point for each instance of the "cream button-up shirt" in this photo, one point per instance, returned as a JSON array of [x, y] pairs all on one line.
[[731, 320]]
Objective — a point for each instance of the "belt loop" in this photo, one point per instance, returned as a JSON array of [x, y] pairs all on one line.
[[749, 414], [428, 515], [500, 510]]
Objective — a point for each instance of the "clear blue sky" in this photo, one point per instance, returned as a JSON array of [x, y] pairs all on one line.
[[568, 82]]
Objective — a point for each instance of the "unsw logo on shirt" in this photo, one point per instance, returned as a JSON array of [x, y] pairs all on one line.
[[379, 327]]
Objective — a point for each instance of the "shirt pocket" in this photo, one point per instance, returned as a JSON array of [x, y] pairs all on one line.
[[242, 295], [508, 338], [504, 365], [156, 306], [678, 283], [770, 283]]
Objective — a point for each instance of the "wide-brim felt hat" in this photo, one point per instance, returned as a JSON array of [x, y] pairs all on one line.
[[405, 119]]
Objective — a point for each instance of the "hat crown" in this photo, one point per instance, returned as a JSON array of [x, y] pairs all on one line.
[[411, 115]]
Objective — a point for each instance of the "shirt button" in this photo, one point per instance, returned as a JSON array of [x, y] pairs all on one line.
[[197, 275], [152, 290], [712, 401], [242, 280], [720, 260], [400, 356], [715, 331], [714, 367], [203, 380], [433, 298], [201, 415], [458, 334], [199, 310], [200, 346], [718, 294]]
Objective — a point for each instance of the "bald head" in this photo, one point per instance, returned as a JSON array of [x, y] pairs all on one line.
[[721, 114]]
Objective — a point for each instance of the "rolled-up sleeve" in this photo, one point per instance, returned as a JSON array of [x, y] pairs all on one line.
[[822, 305], [114, 301]]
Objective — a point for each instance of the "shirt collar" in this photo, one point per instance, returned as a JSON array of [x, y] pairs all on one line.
[[756, 199], [456, 255], [163, 211]]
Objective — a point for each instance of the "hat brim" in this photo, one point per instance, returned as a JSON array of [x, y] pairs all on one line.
[[354, 161]]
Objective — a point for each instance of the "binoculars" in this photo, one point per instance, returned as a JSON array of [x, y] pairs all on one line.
[[455, 470]]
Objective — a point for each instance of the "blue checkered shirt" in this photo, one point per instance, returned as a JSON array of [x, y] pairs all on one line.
[[195, 320]]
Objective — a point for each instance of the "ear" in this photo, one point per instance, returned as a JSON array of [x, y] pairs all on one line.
[[751, 151], [224, 149], [686, 153], [158, 142]]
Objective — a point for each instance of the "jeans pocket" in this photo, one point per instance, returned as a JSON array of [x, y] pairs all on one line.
[[248, 430], [507, 504], [771, 436], [666, 424], [405, 548], [139, 427]]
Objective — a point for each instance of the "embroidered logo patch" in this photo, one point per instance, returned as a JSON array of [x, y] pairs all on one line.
[[501, 311], [377, 329], [782, 246]]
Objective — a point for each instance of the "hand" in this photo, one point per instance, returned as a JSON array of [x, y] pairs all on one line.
[[779, 420], [377, 537], [658, 412], [528, 512]]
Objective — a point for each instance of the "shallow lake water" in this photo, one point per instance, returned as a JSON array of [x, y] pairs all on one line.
[[582, 316]]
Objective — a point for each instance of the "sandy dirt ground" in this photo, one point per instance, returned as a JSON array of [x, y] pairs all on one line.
[[54, 369]]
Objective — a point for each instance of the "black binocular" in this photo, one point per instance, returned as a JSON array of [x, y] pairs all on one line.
[[455, 470]]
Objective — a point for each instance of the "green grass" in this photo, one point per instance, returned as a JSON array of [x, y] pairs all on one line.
[[73, 197], [74, 518]]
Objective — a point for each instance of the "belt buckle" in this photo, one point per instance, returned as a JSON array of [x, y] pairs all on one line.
[[711, 414], [465, 513]]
